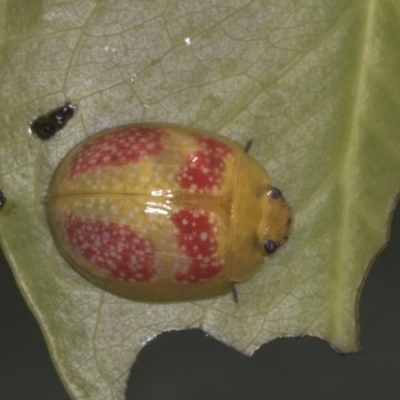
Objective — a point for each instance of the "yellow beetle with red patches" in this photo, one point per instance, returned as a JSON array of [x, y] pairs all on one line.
[[164, 213]]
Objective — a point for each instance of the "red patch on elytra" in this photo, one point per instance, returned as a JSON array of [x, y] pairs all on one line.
[[196, 238], [204, 168], [113, 247], [126, 145]]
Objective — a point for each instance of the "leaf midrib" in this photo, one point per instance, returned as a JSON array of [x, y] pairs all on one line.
[[347, 175]]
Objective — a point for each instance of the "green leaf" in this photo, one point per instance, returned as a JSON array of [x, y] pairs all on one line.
[[315, 84]]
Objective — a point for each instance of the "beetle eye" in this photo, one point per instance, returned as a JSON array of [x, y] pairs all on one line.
[[270, 246], [274, 193]]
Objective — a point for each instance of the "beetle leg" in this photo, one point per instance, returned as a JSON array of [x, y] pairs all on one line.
[[235, 294], [248, 145], [3, 198]]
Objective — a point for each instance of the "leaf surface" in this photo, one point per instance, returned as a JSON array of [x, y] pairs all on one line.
[[315, 84]]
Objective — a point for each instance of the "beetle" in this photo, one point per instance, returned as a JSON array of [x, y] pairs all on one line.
[[164, 213]]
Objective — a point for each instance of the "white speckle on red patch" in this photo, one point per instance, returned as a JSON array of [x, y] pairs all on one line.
[[204, 168], [196, 238], [114, 247], [126, 145]]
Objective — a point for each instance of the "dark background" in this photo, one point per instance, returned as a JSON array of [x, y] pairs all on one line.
[[191, 366]]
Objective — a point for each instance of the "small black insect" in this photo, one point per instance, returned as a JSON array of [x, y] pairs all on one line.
[[46, 126], [3, 199]]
